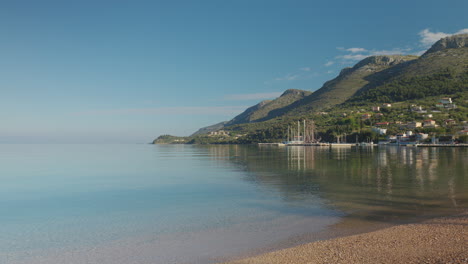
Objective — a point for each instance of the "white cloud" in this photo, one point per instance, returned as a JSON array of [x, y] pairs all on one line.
[[352, 57], [252, 96], [428, 38], [305, 69], [182, 110], [389, 52], [355, 50], [329, 63]]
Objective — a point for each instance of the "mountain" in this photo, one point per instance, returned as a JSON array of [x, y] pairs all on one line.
[[270, 108], [452, 42], [347, 83], [441, 71]]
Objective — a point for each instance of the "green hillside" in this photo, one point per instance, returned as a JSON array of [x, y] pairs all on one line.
[[269, 109], [348, 82], [443, 69]]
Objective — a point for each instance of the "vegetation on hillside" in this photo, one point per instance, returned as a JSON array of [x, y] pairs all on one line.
[[419, 87]]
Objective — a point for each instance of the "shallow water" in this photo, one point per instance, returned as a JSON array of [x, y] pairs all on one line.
[[202, 204]]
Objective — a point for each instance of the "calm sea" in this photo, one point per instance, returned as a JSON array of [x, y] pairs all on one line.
[[124, 204]]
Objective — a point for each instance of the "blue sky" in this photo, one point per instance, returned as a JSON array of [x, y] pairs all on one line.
[[128, 71]]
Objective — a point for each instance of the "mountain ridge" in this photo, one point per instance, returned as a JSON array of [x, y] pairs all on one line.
[[444, 64]]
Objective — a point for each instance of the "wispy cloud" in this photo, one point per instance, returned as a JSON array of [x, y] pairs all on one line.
[[252, 96], [306, 69], [352, 57], [354, 50], [394, 51], [428, 38], [182, 110], [357, 54]]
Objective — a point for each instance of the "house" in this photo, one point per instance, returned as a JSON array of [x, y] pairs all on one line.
[[449, 139], [428, 116], [366, 116], [429, 123], [382, 124], [450, 106], [445, 100], [418, 109], [421, 136], [413, 125], [406, 137], [450, 122], [380, 131], [218, 133], [446, 103], [463, 132], [379, 115], [376, 108], [386, 105]]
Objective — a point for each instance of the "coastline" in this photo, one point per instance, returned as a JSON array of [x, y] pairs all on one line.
[[437, 240]]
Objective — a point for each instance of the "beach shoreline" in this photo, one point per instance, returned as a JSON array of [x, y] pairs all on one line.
[[437, 240]]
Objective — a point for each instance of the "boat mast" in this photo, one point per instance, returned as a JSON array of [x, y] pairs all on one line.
[[304, 135], [298, 130]]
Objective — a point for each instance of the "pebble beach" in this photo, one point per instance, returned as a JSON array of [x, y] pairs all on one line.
[[438, 240]]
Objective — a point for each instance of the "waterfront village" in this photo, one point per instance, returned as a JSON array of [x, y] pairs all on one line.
[[422, 131]]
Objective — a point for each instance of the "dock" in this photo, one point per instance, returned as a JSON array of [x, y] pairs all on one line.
[[334, 145]]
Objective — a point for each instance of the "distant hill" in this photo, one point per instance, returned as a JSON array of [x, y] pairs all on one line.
[[208, 129], [270, 108], [262, 111]]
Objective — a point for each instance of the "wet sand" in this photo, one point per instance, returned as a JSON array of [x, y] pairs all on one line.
[[439, 240]]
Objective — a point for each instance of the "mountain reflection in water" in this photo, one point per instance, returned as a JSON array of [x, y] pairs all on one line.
[[384, 184]]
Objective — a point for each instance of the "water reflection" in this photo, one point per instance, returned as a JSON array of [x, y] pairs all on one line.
[[387, 183]]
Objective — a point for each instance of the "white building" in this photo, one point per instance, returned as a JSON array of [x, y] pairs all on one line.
[[381, 131], [386, 105], [445, 100], [219, 133]]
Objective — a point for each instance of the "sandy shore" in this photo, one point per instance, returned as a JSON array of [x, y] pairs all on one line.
[[441, 240]]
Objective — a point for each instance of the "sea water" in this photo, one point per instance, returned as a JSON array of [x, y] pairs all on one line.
[[203, 204]]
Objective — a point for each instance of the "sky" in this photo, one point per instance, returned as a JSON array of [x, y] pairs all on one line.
[[128, 71]]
